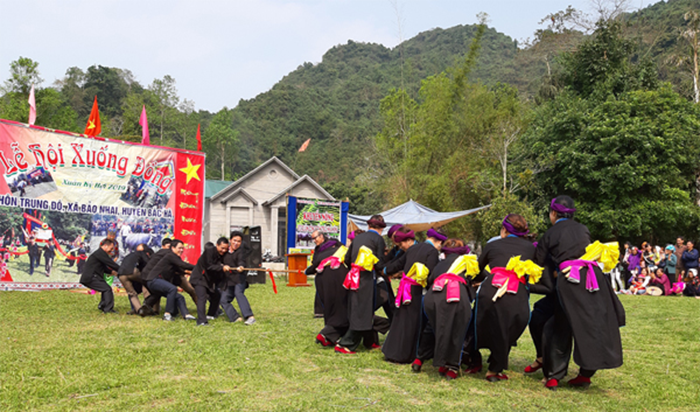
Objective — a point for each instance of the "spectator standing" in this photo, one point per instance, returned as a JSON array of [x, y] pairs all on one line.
[[671, 263], [690, 258], [680, 248]]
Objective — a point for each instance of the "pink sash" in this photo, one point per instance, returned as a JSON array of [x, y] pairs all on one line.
[[352, 279], [333, 261], [403, 294], [452, 287], [575, 273], [500, 275]]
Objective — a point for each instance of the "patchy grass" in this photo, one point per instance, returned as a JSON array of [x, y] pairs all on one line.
[[57, 352]]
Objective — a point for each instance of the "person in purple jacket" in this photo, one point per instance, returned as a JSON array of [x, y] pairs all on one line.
[[633, 262], [660, 280]]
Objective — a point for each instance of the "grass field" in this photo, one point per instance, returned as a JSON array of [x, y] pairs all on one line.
[[57, 352]]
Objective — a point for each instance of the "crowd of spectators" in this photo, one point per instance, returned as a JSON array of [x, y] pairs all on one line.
[[658, 271]]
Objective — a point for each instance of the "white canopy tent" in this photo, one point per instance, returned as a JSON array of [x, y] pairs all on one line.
[[413, 215]]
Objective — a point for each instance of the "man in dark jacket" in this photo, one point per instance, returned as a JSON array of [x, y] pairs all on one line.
[[151, 303], [97, 265], [690, 258], [236, 281], [206, 275], [49, 254], [130, 274], [161, 281], [34, 254]]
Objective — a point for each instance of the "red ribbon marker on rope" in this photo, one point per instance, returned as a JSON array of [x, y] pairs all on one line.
[[272, 278]]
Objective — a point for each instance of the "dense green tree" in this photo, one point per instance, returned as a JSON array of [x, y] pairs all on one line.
[[23, 74], [220, 141], [625, 149], [163, 95], [110, 87]]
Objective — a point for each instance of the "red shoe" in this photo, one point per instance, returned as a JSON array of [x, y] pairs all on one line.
[[580, 382], [552, 384], [473, 370], [375, 346], [321, 340], [416, 365], [451, 374], [497, 377], [344, 351], [530, 369], [442, 370]]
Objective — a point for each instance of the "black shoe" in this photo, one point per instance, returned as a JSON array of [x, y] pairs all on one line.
[[112, 311], [146, 310]]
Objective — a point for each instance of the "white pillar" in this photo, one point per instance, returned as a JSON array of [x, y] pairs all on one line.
[[250, 215], [274, 221]]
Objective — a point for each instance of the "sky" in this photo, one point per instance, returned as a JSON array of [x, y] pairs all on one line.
[[221, 51]]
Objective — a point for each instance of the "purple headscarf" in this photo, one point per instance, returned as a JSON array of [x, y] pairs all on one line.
[[435, 235], [560, 208], [401, 236], [393, 230], [351, 236], [462, 250], [509, 227]]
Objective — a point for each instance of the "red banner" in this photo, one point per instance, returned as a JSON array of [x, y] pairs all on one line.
[[189, 203], [62, 193]]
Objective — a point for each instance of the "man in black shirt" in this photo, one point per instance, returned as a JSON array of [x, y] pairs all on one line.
[[34, 254], [130, 274], [207, 274], [236, 281], [160, 280], [151, 303], [97, 265], [49, 254]]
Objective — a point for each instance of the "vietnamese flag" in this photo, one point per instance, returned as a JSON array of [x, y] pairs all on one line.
[[93, 127], [199, 139]]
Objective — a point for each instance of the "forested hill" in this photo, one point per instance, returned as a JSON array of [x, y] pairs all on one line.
[[336, 102]]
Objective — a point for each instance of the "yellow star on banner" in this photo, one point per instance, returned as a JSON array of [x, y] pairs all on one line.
[[191, 171], [91, 124]]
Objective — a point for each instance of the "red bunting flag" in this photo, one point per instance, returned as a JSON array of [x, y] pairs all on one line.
[[143, 121], [199, 139], [32, 107], [305, 145], [93, 127]]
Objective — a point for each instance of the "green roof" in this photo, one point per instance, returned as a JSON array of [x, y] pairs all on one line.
[[212, 187]]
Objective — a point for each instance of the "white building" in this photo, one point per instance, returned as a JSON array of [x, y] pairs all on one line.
[[257, 199]]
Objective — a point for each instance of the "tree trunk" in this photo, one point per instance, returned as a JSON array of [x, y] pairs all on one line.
[[504, 166], [695, 69], [222, 161]]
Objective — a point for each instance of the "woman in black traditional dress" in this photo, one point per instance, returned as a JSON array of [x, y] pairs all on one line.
[[361, 285], [502, 308], [587, 311], [402, 340], [329, 267], [447, 305]]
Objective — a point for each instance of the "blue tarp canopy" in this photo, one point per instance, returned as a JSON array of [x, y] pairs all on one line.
[[413, 215]]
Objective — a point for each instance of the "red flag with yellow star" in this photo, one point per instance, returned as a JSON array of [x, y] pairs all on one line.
[[93, 127]]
